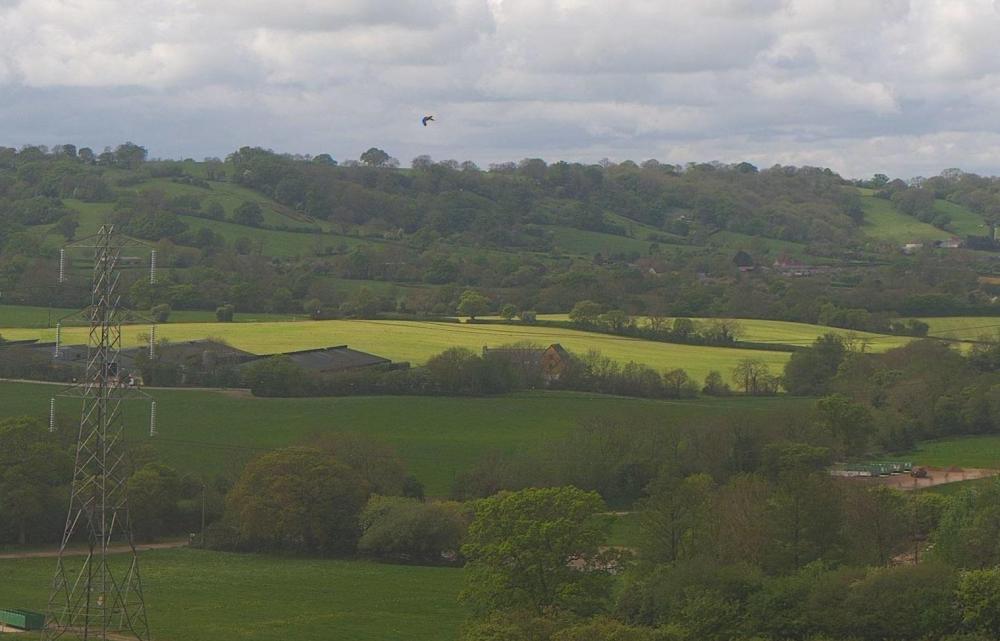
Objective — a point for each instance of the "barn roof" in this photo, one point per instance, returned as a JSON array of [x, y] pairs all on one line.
[[334, 359]]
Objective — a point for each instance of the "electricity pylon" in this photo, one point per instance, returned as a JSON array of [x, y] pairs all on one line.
[[104, 598]]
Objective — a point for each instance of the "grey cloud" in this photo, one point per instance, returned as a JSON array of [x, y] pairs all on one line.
[[861, 86]]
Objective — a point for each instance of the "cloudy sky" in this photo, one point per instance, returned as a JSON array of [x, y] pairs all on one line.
[[904, 87]]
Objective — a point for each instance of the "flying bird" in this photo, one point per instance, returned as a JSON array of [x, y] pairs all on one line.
[[426, 119]]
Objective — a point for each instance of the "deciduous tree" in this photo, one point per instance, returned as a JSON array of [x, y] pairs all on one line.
[[538, 549]]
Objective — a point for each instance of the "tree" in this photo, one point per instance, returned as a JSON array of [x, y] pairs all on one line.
[[297, 498], [804, 511], [848, 422], [215, 210], [67, 226], [722, 331], [508, 312], [248, 213], [538, 548], [743, 259], [678, 384], [875, 523], [313, 307], [754, 376], [378, 463], [160, 313], [979, 601], [402, 529], [32, 465], [809, 372], [275, 376], [153, 492], [672, 516], [375, 157], [715, 385], [969, 529], [225, 313], [129, 155], [684, 328], [615, 319], [422, 162], [903, 602], [585, 312], [473, 304]]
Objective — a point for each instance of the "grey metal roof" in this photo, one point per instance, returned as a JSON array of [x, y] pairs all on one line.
[[334, 359]]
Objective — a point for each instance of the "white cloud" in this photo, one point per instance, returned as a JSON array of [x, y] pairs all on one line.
[[894, 85]]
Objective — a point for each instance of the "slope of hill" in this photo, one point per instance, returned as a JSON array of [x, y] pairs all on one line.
[[885, 223], [415, 342], [191, 595], [966, 328], [963, 221], [540, 236], [217, 432], [755, 330]]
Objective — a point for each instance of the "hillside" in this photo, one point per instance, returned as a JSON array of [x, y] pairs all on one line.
[[269, 233], [415, 342], [754, 330], [216, 433], [192, 592]]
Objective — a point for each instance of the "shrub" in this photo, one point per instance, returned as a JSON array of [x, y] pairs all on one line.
[[408, 530]]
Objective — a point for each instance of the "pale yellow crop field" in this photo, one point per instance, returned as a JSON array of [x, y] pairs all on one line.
[[417, 341]]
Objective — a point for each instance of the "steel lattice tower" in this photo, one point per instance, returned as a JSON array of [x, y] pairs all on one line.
[[104, 598]]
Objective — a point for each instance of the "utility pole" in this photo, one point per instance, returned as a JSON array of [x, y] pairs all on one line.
[[203, 513], [99, 596]]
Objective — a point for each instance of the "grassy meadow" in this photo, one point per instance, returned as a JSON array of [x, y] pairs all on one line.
[[965, 451], [786, 332], [196, 595], [963, 221], [967, 328], [217, 432], [579, 241], [884, 222], [415, 342]]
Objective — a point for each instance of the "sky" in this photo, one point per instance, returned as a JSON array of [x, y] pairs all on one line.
[[902, 87]]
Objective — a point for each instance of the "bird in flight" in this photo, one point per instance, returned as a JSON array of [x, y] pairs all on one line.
[[426, 119]]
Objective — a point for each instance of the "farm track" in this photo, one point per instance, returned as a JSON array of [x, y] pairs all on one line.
[[117, 549], [239, 392]]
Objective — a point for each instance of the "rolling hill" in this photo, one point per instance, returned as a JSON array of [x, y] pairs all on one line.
[[415, 342]]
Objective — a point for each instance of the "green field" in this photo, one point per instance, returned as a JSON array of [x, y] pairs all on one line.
[[231, 196], [755, 330], [216, 432], [967, 451], [24, 316], [762, 249], [276, 243], [579, 241], [195, 595], [884, 222], [415, 342], [963, 221], [626, 529], [968, 328]]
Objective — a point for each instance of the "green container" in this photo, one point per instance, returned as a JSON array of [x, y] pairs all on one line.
[[23, 619]]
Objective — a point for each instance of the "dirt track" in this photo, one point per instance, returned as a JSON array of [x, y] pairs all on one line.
[[936, 476], [118, 549]]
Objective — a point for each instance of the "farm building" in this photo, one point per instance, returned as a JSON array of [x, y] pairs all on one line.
[[330, 360], [549, 362], [952, 243]]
